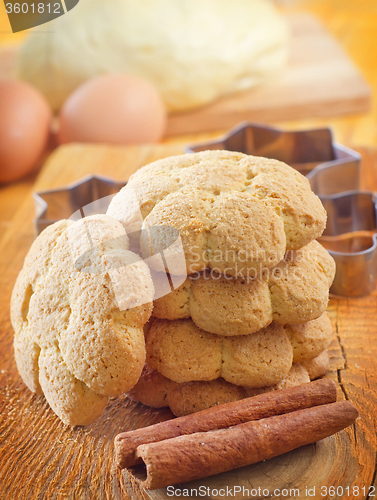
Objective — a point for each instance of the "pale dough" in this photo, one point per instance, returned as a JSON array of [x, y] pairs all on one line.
[[193, 51]]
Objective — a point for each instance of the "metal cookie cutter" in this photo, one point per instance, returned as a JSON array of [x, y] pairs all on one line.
[[351, 238], [333, 172], [57, 204], [332, 169], [303, 150]]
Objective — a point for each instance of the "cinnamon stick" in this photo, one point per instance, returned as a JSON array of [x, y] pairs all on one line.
[[264, 405], [194, 456]]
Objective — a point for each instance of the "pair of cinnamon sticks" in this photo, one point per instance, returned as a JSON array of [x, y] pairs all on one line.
[[232, 435]]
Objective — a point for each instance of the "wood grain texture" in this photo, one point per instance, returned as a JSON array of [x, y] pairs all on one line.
[[41, 458]]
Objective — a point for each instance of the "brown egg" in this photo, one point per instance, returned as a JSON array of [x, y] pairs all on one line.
[[25, 121], [114, 109]]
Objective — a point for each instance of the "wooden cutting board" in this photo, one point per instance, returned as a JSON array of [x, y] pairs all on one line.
[[320, 80], [41, 458]]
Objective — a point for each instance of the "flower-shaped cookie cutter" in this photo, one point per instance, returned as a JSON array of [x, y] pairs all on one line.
[[333, 172], [61, 203]]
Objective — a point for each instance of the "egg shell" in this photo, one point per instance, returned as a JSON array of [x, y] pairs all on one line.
[[25, 122], [114, 109]]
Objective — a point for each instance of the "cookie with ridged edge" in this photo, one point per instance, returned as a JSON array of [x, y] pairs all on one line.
[[72, 341], [234, 212], [153, 389], [295, 291]]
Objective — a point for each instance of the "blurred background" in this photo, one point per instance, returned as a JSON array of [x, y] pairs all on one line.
[[352, 25]]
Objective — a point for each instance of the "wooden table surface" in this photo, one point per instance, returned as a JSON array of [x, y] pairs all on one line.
[[23, 435], [41, 458]]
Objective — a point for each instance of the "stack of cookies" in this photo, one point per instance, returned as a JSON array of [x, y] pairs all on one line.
[[251, 315]]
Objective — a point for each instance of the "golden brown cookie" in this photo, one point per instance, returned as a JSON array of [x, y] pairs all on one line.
[[318, 366], [182, 352], [151, 389], [235, 213], [295, 291], [190, 397], [78, 310], [309, 339]]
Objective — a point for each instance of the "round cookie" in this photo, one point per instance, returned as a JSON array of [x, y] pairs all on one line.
[[297, 375], [257, 360], [182, 352], [190, 397], [78, 309], [235, 213], [151, 389], [318, 366], [295, 291], [309, 339]]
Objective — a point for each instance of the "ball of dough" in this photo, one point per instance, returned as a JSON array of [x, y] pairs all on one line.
[[192, 51]]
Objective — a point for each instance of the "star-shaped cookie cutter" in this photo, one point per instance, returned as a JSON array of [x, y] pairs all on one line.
[[311, 152], [333, 172], [61, 203], [332, 169]]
